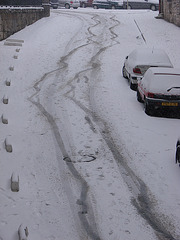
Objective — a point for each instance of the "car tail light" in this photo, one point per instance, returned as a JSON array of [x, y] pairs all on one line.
[[150, 95], [137, 70], [71, 2]]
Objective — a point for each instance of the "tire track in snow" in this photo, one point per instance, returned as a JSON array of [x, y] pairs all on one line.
[[141, 195], [88, 223], [142, 198], [92, 232]]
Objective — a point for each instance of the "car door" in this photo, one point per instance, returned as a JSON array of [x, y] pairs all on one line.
[[145, 4], [105, 4], [61, 3]]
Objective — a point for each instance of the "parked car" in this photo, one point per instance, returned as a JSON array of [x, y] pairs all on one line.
[[86, 3], [141, 4], [54, 4], [139, 60], [159, 89], [65, 3], [108, 4]]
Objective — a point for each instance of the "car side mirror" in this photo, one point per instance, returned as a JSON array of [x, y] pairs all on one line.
[[126, 57]]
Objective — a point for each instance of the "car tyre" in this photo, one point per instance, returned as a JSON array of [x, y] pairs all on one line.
[[113, 7], [95, 7], [124, 72], [83, 5], [67, 6], [139, 98], [133, 86], [148, 109], [128, 7], [75, 7], [153, 7]]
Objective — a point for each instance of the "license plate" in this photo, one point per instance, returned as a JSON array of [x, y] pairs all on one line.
[[170, 104]]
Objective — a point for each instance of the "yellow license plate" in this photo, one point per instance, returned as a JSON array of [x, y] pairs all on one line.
[[169, 104]]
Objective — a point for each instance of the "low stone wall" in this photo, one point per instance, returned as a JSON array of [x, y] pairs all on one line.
[[171, 11], [13, 19]]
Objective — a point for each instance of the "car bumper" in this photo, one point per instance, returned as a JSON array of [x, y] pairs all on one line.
[[134, 78], [162, 104], [75, 5], [54, 6]]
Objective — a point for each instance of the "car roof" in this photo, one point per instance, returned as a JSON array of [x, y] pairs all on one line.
[[140, 1], [164, 71], [161, 79], [151, 56]]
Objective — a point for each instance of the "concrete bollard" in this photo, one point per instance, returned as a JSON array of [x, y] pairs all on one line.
[[23, 232], [8, 146], [15, 57], [8, 82], [5, 100], [11, 68], [14, 182], [4, 119]]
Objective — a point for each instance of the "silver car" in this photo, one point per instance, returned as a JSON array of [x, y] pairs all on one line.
[[69, 3], [140, 60], [141, 4]]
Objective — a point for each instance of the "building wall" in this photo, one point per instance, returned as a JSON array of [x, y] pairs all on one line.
[[171, 11], [14, 19]]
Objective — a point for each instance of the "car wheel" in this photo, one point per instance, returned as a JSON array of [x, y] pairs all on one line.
[[129, 7], [153, 7], [83, 5], [133, 86], [139, 98], [113, 7], [148, 109], [67, 6], [124, 72], [95, 7]]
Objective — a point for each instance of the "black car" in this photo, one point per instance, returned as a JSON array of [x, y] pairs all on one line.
[[54, 4], [107, 4], [141, 4]]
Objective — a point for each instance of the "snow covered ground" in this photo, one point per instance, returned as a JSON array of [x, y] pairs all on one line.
[[91, 163]]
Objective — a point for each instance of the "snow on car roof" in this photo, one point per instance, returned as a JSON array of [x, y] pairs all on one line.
[[164, 71], [164, 80], [142, 1], [151, 56]]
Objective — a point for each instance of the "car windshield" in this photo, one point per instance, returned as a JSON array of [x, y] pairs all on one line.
[[151, 57], [168, 83]]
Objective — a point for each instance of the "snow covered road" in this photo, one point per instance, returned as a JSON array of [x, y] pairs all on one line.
[[91, 163]]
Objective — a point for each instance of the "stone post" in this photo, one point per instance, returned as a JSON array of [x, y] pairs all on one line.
[[46, 6]]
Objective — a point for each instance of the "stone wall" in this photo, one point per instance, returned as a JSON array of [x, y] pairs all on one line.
[[13, 19], [171, 11]]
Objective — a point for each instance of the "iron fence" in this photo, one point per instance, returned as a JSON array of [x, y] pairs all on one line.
[[20, 3]]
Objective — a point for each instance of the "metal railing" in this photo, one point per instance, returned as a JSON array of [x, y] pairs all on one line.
[[22, 3]]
